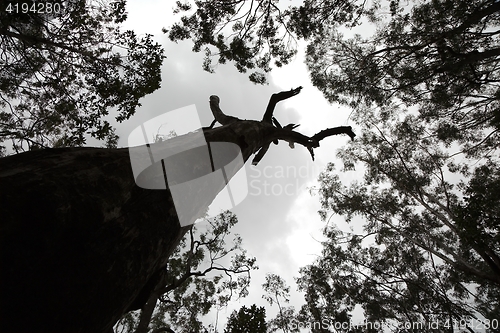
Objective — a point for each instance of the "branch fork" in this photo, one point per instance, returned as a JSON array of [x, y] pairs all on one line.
[[272, 130]]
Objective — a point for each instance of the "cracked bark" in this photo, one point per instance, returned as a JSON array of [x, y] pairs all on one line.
[[81, 244]]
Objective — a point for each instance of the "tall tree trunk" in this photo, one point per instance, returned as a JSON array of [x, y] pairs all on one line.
[[81, 244]]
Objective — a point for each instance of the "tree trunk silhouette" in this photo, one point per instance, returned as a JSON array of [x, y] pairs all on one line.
[[81, 244]]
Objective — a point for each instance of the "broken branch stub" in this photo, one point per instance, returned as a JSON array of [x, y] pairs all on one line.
[[220, 116]]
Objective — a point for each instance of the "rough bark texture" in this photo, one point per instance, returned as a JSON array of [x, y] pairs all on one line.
[[81, 244]]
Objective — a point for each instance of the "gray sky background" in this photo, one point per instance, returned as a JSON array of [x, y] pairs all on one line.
[[282, 230]]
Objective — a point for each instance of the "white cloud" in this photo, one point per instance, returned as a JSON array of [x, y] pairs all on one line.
[[304, 242]]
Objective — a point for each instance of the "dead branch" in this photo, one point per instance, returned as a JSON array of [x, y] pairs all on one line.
[[275, 98], [270, 130], [311, 142], [220, 116], [333, 131]]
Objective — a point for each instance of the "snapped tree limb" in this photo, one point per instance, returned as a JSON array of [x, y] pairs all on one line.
[[275, 98], [271, 130], [218, 114]]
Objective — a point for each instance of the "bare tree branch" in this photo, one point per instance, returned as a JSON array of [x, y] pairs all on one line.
[[334, 131], [270, 130], [275, 98], [220, 116]]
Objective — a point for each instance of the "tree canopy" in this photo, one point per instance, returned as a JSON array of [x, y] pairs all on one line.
[[438, 56], [423, 89], [65, 69], [277, 292], [199, 277], [247, 320], [428, 249], [256, 34]]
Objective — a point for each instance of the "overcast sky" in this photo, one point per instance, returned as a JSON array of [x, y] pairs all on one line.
[[278, 220]]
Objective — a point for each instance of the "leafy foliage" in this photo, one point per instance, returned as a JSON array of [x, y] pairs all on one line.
[[199, 276], [440, 57], [256, 34], [63, 71], [424, 88], [247, 320], [428, 251], [276, 289]]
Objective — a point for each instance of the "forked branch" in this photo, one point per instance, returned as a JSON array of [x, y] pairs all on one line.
[[310, 142], [270, 130]]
